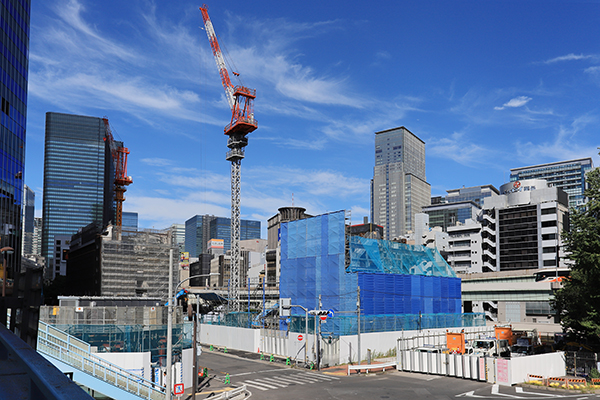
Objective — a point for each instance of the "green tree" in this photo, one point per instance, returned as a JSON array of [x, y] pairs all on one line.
[[578, 302]]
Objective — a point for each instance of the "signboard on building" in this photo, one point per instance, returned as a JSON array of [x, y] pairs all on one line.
[[184, 260]]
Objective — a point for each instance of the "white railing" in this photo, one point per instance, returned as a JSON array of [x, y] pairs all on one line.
[[77, 353], [368, 367], [232, 394]]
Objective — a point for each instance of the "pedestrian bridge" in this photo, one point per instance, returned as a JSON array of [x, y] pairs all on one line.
[[75, 358]]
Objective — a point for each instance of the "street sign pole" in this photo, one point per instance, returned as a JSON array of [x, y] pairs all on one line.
[[319, 339]]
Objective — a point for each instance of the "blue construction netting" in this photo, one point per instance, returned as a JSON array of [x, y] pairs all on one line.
[[384, 256], [313, 264], [401, 286]]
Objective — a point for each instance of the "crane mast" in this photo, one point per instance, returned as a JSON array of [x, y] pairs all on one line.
[[241, 102]]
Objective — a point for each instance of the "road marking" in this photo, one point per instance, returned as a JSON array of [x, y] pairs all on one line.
[[317, 376], [257, 372], [259, 385], [290, 380], [271, 381]]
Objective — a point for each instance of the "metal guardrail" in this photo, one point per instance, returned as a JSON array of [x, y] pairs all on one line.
[[232, 394], [27, 375], [77, 353], [368, 367]]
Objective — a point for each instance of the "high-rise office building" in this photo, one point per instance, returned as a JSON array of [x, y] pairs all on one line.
[[14, 37], [197, 234], [526, 226], [201, 228], [220, 228], [399, 188], [78, 179], [567, 175], [28, 220], [475, 194], [178, 237], [37, 237], [130, 220]]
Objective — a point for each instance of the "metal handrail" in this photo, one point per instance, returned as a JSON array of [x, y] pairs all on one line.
[[72, 352]]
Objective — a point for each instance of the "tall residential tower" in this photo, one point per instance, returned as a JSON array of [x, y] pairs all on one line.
[[399, 188]]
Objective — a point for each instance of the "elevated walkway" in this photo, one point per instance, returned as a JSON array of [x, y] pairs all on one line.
[[74, 356]]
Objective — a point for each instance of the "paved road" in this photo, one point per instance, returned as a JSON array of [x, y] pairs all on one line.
[[270, 381]]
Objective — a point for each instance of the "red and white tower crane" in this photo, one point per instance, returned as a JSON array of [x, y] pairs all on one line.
[[119, 159], [240, 99]]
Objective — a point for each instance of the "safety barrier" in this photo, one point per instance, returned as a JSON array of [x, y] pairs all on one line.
[[371, 366], [566, 382], [74, 352], [241, 391], [536, 378], [595, 381]]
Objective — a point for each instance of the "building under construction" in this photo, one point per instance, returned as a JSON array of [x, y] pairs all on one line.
[[118, 262]]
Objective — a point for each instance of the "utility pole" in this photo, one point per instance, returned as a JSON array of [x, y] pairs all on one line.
[[318, 338], [195, 353], [169, 329], [358, 312]]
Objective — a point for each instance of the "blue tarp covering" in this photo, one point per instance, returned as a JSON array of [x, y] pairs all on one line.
[[395, 279]]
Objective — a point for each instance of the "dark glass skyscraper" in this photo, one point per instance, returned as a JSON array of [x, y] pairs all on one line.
[[14, 42], [78, 179], [201, 228]]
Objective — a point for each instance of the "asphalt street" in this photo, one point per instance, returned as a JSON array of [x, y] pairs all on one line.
[[274, 380]]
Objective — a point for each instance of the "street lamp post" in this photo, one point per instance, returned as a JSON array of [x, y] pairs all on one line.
[[5, 251], [172, 301]]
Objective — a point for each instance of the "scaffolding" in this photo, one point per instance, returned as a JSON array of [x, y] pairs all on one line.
[[136, 262]]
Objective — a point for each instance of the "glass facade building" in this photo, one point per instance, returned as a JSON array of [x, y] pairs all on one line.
[[130, 220], [399, 188], [567, 175], [78, 179], [14, 40], [475, 194], [201, 228]]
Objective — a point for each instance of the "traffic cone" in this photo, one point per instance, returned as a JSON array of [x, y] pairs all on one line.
[[287, 361], [272, 358], [227, 379], [225, 350]]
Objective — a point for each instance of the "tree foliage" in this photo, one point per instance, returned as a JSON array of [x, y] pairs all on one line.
[[578, 302]]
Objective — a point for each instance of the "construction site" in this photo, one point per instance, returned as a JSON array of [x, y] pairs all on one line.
[[118, 262]]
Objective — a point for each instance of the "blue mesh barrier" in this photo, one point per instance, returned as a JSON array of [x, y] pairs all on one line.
[[398, 282]]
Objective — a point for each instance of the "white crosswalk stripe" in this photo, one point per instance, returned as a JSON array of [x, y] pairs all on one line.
[[317, 376], [283, 381], [288, 379], [258, 385], [272, 381]]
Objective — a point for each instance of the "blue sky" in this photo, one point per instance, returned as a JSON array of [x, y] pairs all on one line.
[[487, 85]]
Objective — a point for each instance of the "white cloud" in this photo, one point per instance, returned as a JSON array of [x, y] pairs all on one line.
[[566, 144], [156, 162], [514, 103], [162, 212], [459, 149], [569, 57], [592, 70]]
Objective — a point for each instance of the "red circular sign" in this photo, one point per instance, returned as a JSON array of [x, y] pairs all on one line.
[[517, 184], [300, 337], [178, 389], [323, 317]]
